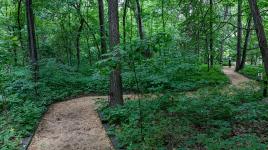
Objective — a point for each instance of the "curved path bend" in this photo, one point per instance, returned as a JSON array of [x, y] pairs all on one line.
[[235, 78], [75, 125], [72, 125]]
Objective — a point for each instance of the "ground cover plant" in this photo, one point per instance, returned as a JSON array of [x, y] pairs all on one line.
[[58, 82], [175, 51], [208, 119], [252, 72]]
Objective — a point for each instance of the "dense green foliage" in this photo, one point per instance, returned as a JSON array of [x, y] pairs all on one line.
[[188, 41], [58, 81], [252, 72], [21, 110], [208, 119]]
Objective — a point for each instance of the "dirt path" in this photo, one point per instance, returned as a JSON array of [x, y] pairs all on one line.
[[75, 125], [236, 78], [72, 125]]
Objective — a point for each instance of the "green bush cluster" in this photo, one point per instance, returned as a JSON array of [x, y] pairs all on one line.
[[252, 71], [21, 110], [211, 119], [173, 72]]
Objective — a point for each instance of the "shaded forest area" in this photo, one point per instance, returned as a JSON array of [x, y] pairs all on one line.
[[169, 52]]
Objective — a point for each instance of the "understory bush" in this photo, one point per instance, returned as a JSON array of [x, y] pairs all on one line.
[[21, 109], [209, 119], [172, 72], [252, 71]]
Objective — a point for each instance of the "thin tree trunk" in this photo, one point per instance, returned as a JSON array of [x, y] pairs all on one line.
[[19, 26], [124, 23], [116, 91], [147, 53], [260, 32], [89, 52], [226, 10], [65, 39], [32, 41], [78, 42], [239, 35], [139, 20], [247, 39], [15, 53], [211, 57], [69, 41], [102, 27]]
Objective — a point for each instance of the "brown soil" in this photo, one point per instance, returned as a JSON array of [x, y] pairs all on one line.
[[72, 125], [236, 78]]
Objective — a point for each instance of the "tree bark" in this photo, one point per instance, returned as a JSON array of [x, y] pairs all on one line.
[[260, 32], [19, 25], [78, 42], [32, 39], [146, 51], [69, 41], [239, 35], [226, 10], [116, 92], [139, 20], [124, 23], [211, 56], [247, 39], [102, 27]]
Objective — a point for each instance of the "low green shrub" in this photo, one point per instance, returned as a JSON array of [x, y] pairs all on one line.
[[207, 120], [252, 71], [21, 110]]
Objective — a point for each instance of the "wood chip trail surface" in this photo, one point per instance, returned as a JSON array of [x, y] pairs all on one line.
[[235, 78], [75, 125], [72, 125]]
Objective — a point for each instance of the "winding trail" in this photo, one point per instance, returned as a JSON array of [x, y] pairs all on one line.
[[72, 125], [75, 125], [235, 78]]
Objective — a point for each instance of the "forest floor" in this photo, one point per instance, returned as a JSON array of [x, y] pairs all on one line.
[[75, 124], [72, 124], [236, 79]]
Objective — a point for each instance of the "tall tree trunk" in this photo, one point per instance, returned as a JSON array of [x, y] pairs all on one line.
[[116, 91], [32, 40], [69, 41], [211, 57], [226, 10], [147, 53], [19, 27], [89, 52], [124, 22], [239, 35], [260, 32], [102, 27], [247, 39], [15, 53], [139, 19], [78, 42]]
